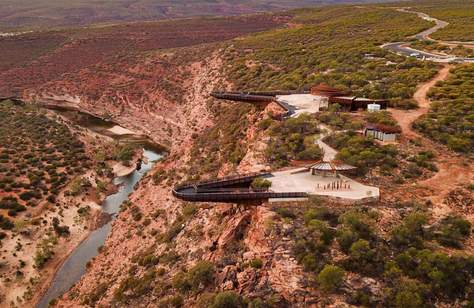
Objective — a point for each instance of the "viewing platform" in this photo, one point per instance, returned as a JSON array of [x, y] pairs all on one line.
[[232, 189]]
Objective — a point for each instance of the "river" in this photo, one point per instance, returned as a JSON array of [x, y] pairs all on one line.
[[75, 265]]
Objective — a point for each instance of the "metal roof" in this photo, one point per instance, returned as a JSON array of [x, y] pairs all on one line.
[[332, 166]]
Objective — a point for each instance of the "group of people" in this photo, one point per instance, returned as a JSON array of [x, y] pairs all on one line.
[[336, 185]]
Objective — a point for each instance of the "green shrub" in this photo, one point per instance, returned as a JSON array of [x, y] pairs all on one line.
[[181, 282], [330, 278], [261, 183], [363, 152], [447, 277], [410, 233], [409, 294], [285, 212], [175, 301], [228, 299], [201, 274], [256, 263], [453, 230], [293, 139], [189, 210], [93, 297], [124, 153], [5, 223], [44, 251], [134, 287]]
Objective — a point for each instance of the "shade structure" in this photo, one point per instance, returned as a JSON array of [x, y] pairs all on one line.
[[330, 167]]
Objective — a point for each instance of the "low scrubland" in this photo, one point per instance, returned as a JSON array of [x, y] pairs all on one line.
[[459, 14], [451, 117], [408, 259], [38, 157], [336, 45]]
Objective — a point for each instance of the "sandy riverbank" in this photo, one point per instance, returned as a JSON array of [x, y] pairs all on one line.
[[52, 267]]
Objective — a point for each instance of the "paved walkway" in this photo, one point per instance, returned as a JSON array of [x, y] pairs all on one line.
[[301, 103], [329, 153], [288, 181]]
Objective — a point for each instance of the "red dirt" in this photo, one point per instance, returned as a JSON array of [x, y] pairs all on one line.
[[67, 52], [454, 169], [406, 118]]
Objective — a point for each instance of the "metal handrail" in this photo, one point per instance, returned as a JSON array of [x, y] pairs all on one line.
[[222, 180], [228, 194]]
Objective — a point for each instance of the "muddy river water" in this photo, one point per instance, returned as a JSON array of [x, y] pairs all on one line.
[[75, 265]]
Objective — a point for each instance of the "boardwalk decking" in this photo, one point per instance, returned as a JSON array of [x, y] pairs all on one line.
[[218, 190]]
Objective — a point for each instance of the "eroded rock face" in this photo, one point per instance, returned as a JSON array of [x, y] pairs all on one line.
[[229, 236]]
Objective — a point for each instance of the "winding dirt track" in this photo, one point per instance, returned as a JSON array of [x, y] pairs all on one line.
[[406, 118], [454, 169]]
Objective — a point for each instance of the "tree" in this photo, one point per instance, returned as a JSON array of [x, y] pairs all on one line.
[[330, 278], [409, 293], [410, 233]]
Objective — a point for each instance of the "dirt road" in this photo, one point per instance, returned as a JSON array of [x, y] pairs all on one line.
[[406, 118], [454, 169]]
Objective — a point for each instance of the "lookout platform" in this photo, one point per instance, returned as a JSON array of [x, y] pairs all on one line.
[[233, 189]]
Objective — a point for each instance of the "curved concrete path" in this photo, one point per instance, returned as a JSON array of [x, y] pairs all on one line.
[[328, 152]]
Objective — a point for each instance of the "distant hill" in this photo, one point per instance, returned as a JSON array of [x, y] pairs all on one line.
[[27, 14]]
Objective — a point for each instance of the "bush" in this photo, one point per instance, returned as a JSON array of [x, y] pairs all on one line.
[[175, 301], [410, 232], [293, 139], [189, 210], [408, 295], [448, 277], [202, 274], [363, 152], [261, 184], [228, 299], [92, 298], [321, 213], [60, 230], [330, 278], [285, 212], [124, 153], [256, 263], [199, 276], [181, 283], [44, 251], [453, 230], [5, 223]]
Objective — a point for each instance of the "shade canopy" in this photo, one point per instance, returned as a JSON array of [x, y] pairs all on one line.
[[332, 166]]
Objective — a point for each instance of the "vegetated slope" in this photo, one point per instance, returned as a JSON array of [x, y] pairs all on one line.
[[39, 156], [45, 13], [451, 117], [41, 57], [334, 45], [166, 252], [175, 253], [49, 185], [459, 14]]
